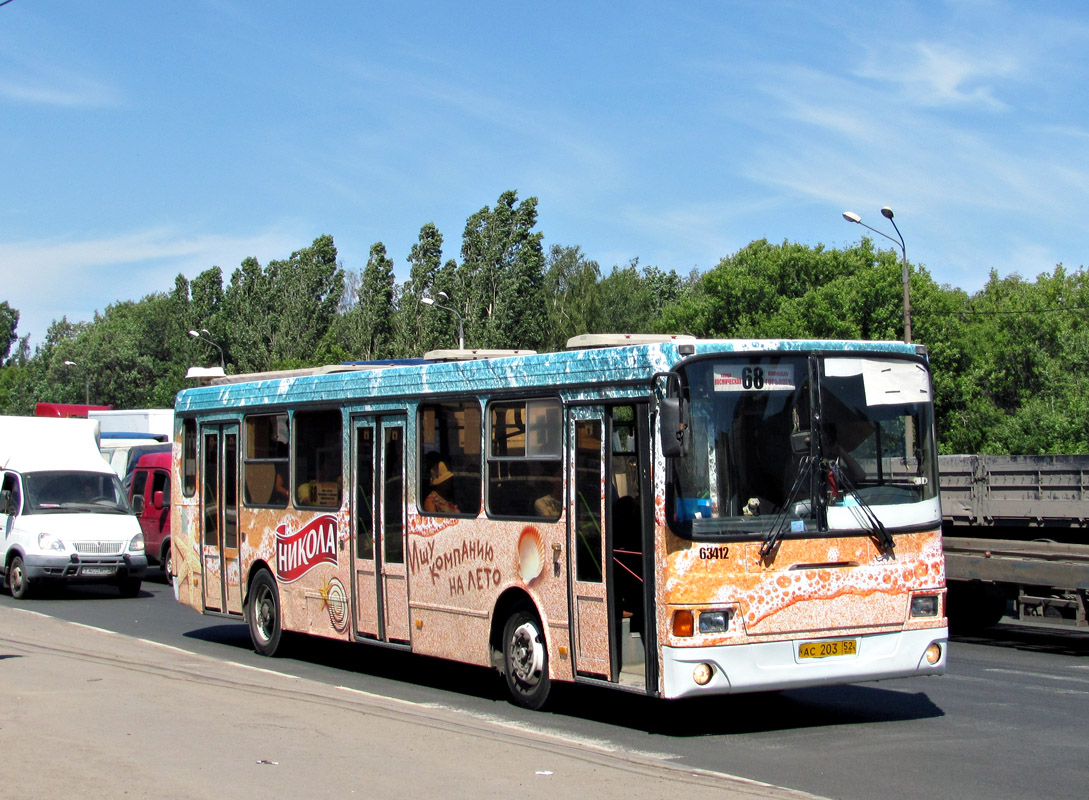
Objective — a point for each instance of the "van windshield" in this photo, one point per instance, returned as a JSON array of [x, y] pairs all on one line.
[[73, 492]]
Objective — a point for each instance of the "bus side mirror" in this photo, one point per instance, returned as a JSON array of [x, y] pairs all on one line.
[[7, 502], [158, 501], [674, 420], [138, 504]]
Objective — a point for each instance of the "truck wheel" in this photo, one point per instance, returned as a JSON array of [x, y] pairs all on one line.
[[129, 587], [973, 608], [525, 659], [17, 579], [264, 614]]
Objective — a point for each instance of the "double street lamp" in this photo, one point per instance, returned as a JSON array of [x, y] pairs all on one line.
[[206, 337], [886, 212], [427, 301]]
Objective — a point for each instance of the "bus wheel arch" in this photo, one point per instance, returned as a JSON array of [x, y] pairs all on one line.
[[263, 612], [522, 648]]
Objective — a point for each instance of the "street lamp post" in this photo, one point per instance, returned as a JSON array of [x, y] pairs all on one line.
[[206, 337], [86, 383], [427, 301], [886, 212]]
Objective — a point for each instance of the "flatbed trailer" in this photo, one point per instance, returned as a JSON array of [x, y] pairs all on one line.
[[1016, 528]]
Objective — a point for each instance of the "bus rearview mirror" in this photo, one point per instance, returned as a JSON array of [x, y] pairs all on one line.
[[674, 420]]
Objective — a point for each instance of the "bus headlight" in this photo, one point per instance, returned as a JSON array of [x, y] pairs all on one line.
[[933, 653], [47, 541], [702, 674], [714, 621], [924, 605], [137, 543]]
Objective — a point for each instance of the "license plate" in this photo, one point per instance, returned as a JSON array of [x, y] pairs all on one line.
[[97, 571], [839, 647]]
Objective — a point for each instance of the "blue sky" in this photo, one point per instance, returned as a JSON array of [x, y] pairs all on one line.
[[143, 140]]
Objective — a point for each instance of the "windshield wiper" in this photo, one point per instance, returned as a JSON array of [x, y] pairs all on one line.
[[771, 541], [876, 527]]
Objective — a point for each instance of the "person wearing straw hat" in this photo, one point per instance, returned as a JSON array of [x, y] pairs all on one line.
[[440, 500]]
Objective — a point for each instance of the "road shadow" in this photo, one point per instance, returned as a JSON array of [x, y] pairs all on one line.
[[1043, 638], [705, 716], [759, 712]]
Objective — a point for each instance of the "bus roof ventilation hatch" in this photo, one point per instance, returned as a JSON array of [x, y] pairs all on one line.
[[589, 341]]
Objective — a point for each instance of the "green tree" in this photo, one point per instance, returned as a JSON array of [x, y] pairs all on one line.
[[500, 283], [278, 317], [416, 327], [375, 305], [9, 322], [571, 291]]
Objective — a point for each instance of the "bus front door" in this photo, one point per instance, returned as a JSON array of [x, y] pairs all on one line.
[[609, 508], [590, 629], [219, 514], [378, 512]]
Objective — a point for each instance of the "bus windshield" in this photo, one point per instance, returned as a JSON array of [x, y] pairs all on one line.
[[799, 445], [70, 492]]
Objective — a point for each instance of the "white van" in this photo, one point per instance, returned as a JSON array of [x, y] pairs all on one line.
[[63, 514]]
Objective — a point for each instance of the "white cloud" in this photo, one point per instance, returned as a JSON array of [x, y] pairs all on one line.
[[47, 279]]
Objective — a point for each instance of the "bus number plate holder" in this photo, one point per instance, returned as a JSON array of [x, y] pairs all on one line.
[[828, 649]]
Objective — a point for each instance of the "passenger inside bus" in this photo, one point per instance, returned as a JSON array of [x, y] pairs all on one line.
[[441, 500], [551, 504]]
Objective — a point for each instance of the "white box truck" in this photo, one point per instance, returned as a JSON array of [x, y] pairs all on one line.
[[64, 515], [128, 434]]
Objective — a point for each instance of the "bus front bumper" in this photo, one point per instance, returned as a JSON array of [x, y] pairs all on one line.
[[771, 666]]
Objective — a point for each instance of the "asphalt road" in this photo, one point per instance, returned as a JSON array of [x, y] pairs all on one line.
[[1007, 720]]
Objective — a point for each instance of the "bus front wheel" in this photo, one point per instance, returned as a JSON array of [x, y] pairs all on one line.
[[525, 660], [264, 614]]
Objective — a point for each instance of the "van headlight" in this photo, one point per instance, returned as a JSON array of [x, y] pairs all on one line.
[[137, 543], [47, 541]]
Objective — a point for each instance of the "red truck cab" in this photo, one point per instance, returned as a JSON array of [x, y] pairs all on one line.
[[149, 495]]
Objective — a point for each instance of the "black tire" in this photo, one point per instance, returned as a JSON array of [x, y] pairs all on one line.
[[167, 561], [973, 608], [263, 614], [129, 587], [525, 659], [18, 583]]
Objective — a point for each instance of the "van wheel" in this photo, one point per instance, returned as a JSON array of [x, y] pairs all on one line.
[[18, 582], [264, 614], [168, 560], [129, 587], [525, 660]]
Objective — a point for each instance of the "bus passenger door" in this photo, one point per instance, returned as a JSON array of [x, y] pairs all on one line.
[[587, 545], [219, 514], [378, 513]]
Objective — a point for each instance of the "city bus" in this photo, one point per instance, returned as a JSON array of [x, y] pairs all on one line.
[[662, 515]]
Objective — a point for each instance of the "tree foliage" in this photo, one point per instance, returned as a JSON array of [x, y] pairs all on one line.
[[1008, 361]]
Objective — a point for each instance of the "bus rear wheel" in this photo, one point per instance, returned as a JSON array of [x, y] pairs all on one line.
[[264, 614], [525, 660]]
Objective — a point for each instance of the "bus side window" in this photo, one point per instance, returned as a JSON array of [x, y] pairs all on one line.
[[189, 457], [525, 459], [265, 470], [319, 471], [449, 464]]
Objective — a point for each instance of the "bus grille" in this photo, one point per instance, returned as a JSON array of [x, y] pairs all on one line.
[[99, 548]]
